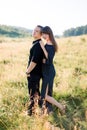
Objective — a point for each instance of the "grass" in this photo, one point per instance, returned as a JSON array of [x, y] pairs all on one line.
[[70, 85]]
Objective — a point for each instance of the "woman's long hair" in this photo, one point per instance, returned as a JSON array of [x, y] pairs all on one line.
[[48, 30]]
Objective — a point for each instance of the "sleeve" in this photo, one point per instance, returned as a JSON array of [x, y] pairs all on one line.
[[37, 54]]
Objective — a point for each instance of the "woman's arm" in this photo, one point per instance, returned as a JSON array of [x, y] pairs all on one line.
[[44, 50]]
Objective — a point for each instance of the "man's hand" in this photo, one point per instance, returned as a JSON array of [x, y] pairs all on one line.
[[30, 68], [28, 75]]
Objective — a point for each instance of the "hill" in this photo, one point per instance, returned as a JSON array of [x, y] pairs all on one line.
[[20, 32], [11, 31]]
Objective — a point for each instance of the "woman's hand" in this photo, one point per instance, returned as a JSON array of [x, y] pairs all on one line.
[[44, 61]]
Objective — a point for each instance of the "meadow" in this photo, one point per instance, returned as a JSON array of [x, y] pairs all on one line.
[[70, 85]]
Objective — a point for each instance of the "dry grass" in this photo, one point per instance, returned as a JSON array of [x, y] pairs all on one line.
[[71, 72]]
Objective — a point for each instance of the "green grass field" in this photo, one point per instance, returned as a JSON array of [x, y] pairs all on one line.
[[70, 85]]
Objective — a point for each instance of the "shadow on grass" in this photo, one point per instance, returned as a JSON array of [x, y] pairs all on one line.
[[75, 111]]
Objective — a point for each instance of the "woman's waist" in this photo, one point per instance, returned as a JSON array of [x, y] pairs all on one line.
[[48, 65], [48, 68]]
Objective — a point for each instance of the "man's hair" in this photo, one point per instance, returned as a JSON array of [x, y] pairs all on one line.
[[41, 27]]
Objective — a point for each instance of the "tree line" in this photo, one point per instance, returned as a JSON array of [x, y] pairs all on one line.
[[75, 31], [11, 31]]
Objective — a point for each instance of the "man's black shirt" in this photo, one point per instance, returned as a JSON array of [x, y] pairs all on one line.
[[36, 55]]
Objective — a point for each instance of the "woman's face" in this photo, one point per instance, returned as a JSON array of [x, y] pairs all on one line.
[[45, 36]]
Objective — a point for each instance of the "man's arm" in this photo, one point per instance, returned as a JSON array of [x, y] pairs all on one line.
[[35, 58], [31, 67]]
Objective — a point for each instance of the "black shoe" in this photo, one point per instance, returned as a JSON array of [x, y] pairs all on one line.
[[40, 103]]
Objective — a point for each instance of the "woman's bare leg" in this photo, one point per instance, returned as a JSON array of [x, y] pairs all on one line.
[[53, 101]]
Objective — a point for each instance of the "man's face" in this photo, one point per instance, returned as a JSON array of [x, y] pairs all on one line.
[[37, 33]]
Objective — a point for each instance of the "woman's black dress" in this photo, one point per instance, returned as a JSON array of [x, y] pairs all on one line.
[[48, 72]]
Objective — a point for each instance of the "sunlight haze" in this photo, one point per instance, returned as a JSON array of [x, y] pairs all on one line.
[[59, 14]]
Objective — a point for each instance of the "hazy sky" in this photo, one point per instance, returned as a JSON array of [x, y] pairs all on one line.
[[59, 14]]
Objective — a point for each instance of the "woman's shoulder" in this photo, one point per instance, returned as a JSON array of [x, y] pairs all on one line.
[[49, 46]]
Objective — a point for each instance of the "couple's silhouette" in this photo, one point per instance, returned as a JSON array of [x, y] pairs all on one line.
[[40, 65]]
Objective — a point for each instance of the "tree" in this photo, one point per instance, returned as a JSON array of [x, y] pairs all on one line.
[[75, 31]]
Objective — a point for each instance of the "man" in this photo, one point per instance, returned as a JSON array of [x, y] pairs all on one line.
[[34, 70]]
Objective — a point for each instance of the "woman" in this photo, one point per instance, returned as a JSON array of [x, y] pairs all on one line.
[[48, 69]]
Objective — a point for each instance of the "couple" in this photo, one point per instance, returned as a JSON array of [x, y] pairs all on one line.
[[40, 65]]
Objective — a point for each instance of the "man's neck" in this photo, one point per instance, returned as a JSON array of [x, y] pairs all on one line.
[[37, 38]]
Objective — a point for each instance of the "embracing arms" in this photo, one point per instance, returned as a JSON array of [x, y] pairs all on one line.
[[44, 50]]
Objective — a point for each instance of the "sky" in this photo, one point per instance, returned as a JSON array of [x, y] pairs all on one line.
[[58, 14]]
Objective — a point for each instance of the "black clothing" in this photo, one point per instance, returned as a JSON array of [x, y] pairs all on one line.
[[48, 72], [51, 52], [36, 55], [33, 85]]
